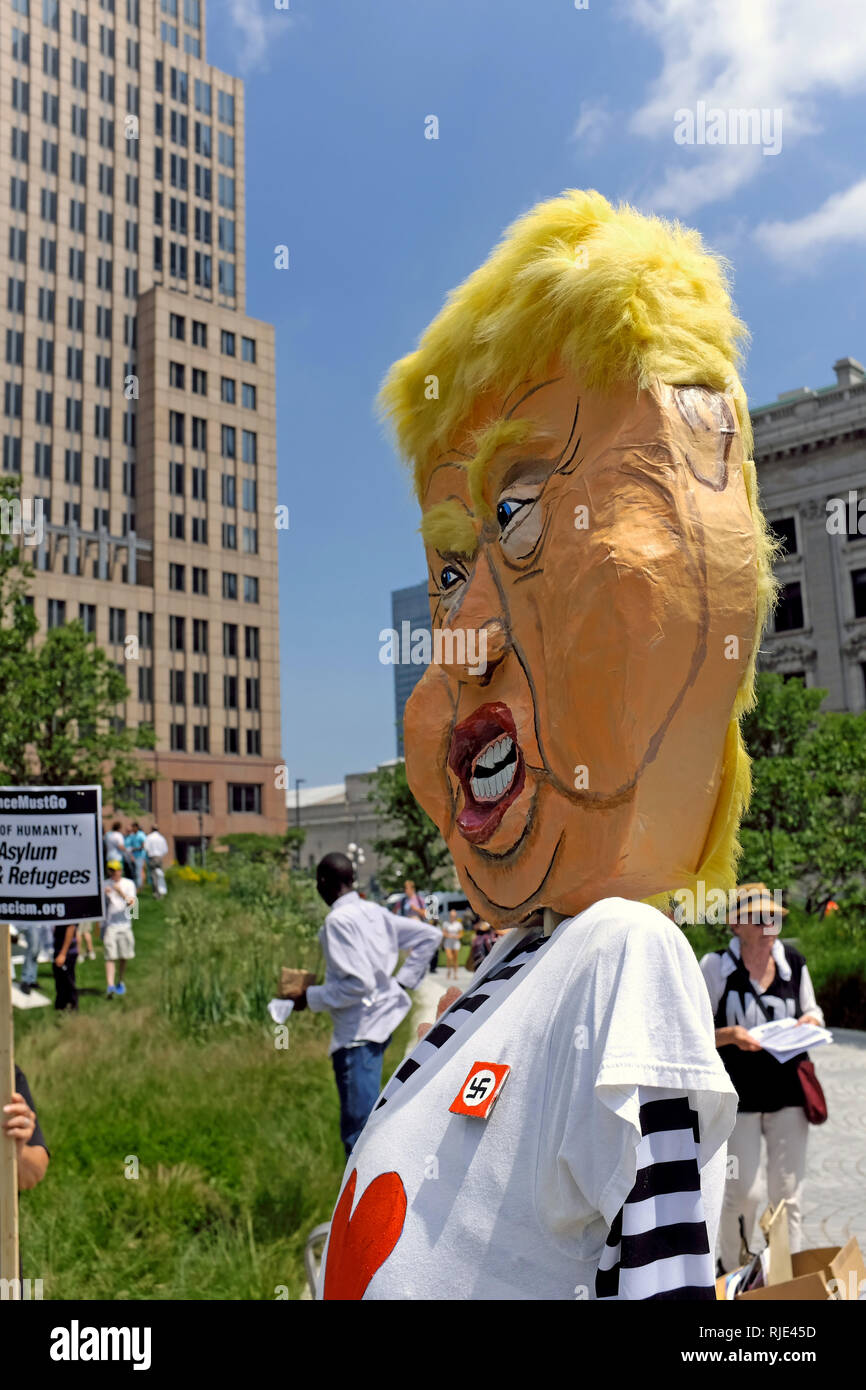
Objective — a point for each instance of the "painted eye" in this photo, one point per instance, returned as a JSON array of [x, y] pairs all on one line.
[[449, 577], [507, 510]]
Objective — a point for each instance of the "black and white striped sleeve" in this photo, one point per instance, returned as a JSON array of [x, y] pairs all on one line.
[[658, 1247]]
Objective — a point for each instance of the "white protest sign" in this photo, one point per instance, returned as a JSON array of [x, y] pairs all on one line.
[[50, 854]]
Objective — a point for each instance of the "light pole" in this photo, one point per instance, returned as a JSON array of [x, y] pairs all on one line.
[[356, 854], [299, 781]]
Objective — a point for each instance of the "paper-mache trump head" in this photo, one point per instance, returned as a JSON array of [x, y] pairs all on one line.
[[599, 568]]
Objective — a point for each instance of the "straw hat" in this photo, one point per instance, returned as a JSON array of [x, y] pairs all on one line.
[[754, 902]]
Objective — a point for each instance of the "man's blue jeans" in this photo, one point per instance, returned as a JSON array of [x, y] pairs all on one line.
[[32, 937], [358, 1072]]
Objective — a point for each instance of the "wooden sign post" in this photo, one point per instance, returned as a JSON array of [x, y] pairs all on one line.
[[8, 1150]]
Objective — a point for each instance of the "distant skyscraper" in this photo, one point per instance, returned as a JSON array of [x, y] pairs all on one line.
[[139, 399], [410, 606]]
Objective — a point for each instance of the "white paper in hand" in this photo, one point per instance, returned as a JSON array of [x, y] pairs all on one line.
[[279, 1009], [785, 1037]]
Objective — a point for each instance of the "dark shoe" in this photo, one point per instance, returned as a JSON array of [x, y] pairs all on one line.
[[25, 988]]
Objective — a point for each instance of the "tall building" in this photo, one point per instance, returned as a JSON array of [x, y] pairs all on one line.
[[810, 450], [410, 613], [138, 396]]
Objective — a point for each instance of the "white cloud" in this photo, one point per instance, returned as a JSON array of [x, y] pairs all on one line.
[[842, 218], [734, 54], [259, 25], [592, 123]]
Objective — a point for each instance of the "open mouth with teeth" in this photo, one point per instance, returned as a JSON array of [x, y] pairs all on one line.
[[486, 757]]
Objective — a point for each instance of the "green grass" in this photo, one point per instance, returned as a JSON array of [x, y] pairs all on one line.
[[236, 1142]]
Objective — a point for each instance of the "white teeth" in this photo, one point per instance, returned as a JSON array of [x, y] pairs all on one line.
[[495, 752], [491, 788]]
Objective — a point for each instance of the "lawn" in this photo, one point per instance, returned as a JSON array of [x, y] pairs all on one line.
[[182, 1166]]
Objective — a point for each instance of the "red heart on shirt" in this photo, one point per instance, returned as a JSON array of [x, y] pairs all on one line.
[[360, 1243]]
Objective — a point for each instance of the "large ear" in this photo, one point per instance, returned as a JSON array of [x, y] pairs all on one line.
[[712, 425]]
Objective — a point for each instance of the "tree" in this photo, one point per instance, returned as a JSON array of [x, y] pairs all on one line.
[[774, 732], [806, 824], [413, 847], [59, 698]]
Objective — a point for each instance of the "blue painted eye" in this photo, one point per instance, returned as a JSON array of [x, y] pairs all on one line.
[[506, 510], [449, 577]]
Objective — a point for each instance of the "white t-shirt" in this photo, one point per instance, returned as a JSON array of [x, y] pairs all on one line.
[[518, 1206], [155, 846], [117, 914]]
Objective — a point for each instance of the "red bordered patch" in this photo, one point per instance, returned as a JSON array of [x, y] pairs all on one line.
[[481, 1090]]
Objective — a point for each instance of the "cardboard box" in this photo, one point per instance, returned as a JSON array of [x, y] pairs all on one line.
[[833, 1272], [293, 981]]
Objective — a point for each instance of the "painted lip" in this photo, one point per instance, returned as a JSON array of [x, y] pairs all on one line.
[[470, 739]]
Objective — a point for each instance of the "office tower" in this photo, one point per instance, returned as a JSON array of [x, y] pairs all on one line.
[[139, 398], [410, 614]]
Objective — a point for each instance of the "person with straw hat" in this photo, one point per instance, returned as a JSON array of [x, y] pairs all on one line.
[[752, 980]]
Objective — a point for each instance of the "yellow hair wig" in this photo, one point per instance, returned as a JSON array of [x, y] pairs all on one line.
[[619, 297]]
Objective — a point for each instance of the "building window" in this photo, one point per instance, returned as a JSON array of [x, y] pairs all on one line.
[[199, 636], [192, 796], [230, 585], [199, 580], [176, 634], [230, 741], [199, 530], [177, 687], [230, 692], [177, 326], [227, 390], [249, 492], [145, 630], [784, 530], [145, 684], [87, 617], [176, 375], [177, 577], [56, 612], [254, 743], [201, 738], [251, 643], [200, 689], [248, 396], [202, 97], [230, 639], [252, 692], [226, 278], [199, 333], [228, 436], [245, 798], [228, 343], [248, 446], [230, 536], [175, 427], [199, 381], [176, 529], [789, 613], [250, 540], [858, 588], [116, 624], [226, 107], [199, 432]]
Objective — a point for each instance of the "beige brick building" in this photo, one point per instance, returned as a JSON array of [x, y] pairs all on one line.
[[138, 398]]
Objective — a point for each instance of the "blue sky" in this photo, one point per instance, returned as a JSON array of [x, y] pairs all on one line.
[[531, 98]]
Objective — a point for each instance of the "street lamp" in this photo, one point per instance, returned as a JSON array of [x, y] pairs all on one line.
[[299, 781], [356, 854]]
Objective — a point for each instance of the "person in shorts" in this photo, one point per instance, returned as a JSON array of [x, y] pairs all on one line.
[[117, 934]]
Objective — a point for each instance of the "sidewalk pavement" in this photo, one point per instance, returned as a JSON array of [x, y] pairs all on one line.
[[834, 1193]]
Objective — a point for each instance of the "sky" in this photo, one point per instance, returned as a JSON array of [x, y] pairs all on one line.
[[531, 97]]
